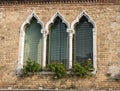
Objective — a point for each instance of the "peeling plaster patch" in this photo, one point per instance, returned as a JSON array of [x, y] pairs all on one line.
[[114, 71]]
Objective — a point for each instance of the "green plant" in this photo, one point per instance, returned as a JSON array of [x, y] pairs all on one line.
[[31, 67], [82, 70], [58, 68]]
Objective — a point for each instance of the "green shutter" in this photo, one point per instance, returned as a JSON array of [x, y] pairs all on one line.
[[83, 41], [33, 42], [58, 42]]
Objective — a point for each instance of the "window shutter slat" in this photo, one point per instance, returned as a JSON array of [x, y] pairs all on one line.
[[58, 42], [83, 42], [33, 42]]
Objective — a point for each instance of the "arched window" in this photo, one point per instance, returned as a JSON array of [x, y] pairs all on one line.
[[83, 41], [58, 42], [33, 41]]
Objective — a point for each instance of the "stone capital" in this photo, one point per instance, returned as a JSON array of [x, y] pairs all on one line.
[[71, 31], [44, 32]]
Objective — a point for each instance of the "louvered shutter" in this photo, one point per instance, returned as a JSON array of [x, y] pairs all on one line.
[[33, 42], [58, 42], [83, 41]]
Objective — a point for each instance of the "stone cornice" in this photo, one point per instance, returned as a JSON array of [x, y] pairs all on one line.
[[87, 2]]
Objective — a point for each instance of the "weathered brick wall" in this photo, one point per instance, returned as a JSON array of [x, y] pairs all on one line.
[[107, 19]]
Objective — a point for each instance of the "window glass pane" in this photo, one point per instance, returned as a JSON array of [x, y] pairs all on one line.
[[83, 41], [33, 42], [58, 42]]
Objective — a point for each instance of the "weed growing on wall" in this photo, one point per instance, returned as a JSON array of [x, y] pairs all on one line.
[[31, 67], [82, 70], [58, 68]]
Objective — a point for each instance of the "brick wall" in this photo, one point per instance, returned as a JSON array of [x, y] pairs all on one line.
[[107, 19]]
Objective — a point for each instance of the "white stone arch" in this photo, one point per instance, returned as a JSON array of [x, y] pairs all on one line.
[[22, 38], [52, 19], [27, 21], [79, 17], [94, 36]]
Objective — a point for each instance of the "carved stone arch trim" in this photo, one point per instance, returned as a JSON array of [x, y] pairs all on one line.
[[22, 38], [79, 17], [51, 21], [94, 36], [27, 21]]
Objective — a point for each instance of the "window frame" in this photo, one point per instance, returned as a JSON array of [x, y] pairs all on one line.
[[47, 28], [22, 38], [94, 30], [50, 34]]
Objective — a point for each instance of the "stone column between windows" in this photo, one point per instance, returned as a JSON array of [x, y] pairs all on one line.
[[94, 51], [44, 48], [70, 36], [21, 52]]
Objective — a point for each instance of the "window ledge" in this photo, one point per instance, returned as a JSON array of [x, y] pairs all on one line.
[[50, 73]]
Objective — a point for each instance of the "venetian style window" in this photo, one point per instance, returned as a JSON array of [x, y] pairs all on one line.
[[57, 42], [33, 41], [83, 41]]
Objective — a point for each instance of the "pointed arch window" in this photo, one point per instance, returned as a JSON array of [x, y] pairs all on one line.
[[83, 41], [33, 41], [58, 42]]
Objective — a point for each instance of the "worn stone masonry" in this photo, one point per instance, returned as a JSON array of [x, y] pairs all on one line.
[[107, 19]]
